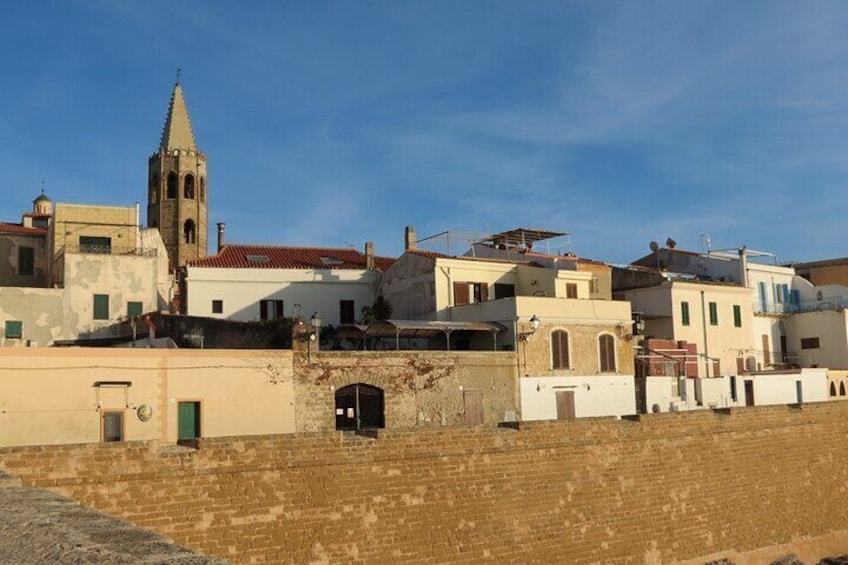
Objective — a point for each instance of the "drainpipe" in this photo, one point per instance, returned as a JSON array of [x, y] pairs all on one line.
[[706, 346]]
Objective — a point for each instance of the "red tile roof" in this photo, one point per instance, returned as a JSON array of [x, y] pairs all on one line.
[[235, 256], [22, 230]]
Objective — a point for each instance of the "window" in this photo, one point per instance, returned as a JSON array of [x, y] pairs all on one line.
[[101, 306], [134, 309], [188, 420], [217, 306], [189, 231], [480, 292], [26, 261], [570, 290], [154, 188], [832, 388], [713, 314], [270, 309], [606, 348], [14, 329], [684, 313], [172, 185], [89, 244], [733, 388], [595, 285], [188, 186], [809, 343], [347, 312], [559, 349], [763, 297], [503, 290], [737, 315], [842, 389], [460, 293], [202, 189], [112, 428]]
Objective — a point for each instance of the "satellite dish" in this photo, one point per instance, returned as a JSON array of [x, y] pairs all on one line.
[[654, 246], [670, 243]]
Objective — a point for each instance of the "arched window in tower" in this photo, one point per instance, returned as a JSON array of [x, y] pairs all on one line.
[[189, 231], [188, 185], [203, 189], [172, 185], [154, 188]]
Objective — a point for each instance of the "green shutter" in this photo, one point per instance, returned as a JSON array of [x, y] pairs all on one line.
[[101, 306], [713, 314], [134, 309], [684, 313], [737, 315], [188, 420], [14, 329]]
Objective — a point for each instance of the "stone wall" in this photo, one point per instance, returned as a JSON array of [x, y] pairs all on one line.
[[658, 489], [421, 388]]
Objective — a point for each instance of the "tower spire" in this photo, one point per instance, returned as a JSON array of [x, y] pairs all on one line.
[[177, 133]]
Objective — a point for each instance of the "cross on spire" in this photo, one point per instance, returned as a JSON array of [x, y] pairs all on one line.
[[179, 72]]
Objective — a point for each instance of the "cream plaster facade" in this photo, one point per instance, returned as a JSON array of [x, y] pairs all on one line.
[[59, 395]]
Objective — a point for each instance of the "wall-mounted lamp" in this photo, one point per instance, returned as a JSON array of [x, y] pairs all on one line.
[[534, 325]]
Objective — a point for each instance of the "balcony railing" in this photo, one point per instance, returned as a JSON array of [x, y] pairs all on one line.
[[110, 250], [826, 304]]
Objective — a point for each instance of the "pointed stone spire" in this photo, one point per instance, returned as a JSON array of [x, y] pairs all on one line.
[[177, 133]]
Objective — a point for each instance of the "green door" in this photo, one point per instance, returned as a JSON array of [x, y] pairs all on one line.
[[188, 420]]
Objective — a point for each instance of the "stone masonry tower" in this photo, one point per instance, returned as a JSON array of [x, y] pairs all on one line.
[[177, 197]]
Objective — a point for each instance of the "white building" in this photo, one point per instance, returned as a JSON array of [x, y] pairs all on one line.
[[257, 282]]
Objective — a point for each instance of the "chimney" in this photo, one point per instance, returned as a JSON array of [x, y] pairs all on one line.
[[410, 239], [369, 255], [743, 266], [221, 227]]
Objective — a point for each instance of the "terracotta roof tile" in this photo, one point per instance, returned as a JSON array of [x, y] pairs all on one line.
[[19, 229], [235, 256]]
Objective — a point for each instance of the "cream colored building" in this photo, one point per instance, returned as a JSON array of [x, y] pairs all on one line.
[[575, 353], [84, 395], [102, 269]]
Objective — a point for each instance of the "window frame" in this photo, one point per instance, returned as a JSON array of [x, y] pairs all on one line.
[[713, 309], [100, 307], [271, 309], [106, 413], [562, 337], [14, 335], [217, 306], [603, 360], [685, 319], [737, 316], [571, 290]]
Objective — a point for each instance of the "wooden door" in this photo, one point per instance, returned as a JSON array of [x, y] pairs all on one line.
[[749, 393], [188, 420], [473, 402], [565, 404]]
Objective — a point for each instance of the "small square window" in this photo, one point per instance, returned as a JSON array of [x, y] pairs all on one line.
[[14, 329], [217, 306], [134, 309]]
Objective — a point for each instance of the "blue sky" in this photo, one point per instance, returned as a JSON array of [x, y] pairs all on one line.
[[333, 123]]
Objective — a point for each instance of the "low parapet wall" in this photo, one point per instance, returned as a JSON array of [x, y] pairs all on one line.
[[653, 489]]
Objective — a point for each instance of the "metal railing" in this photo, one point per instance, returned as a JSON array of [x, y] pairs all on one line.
[[110, 250], [826, 304]]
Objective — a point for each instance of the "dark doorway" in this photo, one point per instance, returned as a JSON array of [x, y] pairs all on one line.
[[360, 407], [749, 393]]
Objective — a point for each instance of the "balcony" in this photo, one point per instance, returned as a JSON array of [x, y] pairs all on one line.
[[835, 303]]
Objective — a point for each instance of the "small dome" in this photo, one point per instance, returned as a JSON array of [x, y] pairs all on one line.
[[41, 198], [42, 206]]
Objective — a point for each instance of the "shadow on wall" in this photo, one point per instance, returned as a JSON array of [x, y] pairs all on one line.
[[196, 332]]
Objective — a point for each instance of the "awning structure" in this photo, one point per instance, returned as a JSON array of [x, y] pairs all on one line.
[[418, 329]]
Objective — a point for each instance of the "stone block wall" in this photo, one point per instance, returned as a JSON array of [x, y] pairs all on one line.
[[421, 388], [658, 489]]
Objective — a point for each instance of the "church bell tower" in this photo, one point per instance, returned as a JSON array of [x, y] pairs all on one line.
[[177, 197]]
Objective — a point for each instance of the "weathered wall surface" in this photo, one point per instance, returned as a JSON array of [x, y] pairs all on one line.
[[420, 388], [665, 488]]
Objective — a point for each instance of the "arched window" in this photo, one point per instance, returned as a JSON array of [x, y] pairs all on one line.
[[842, 389], [189, 231], [606, 350], [203, 189], [559, 349], [172, 185], [188, 186], [832, 388], [154, 188], [360, 407]]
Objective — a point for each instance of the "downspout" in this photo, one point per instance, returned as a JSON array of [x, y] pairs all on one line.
[[446, 273], [706, 344]]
